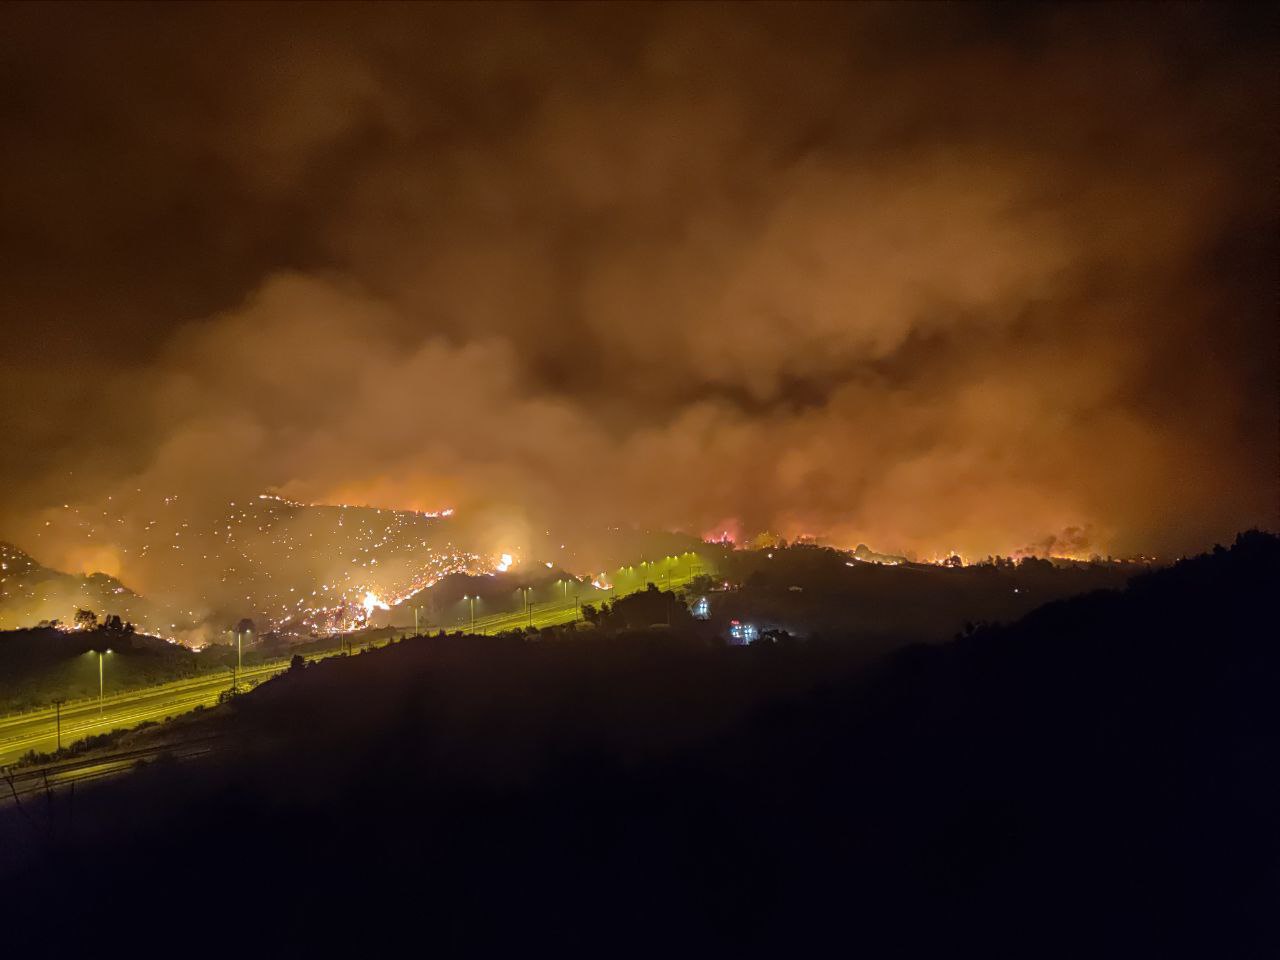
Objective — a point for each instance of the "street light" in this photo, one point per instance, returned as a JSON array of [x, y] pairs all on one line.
[[473, 611], [528, 608], [100, 653]]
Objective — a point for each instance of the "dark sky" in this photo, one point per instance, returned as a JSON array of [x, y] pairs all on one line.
[[938, 277]]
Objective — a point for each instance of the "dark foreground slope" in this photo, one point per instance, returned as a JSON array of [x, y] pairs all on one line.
[[1097, 779]]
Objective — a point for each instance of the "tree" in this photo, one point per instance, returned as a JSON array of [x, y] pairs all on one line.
[[702, 583], [646, 608], [297, 663], [120, 633], [86, 620]]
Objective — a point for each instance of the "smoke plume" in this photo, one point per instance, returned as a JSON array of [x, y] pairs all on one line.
[[932, 279]]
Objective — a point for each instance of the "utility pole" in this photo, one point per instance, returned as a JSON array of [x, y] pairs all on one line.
[[239, 662], [57, 720], [415, 619]]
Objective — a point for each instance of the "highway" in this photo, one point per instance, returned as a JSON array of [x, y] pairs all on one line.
[[36, 730], [555, 613]]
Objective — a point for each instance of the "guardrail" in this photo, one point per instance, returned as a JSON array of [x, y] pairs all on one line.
[[23, 781]]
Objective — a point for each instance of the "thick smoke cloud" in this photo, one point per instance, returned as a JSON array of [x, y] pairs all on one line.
[[929, 278]]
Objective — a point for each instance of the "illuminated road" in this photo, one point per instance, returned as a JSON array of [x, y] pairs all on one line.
[[35, 730], [553, 613]]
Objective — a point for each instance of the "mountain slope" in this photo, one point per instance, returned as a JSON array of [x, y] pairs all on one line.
[[1097, 779], [31, 592]]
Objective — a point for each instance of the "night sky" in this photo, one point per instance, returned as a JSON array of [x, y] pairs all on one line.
[[987, 279]]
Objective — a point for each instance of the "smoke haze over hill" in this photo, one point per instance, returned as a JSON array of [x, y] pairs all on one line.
[[960, 278]]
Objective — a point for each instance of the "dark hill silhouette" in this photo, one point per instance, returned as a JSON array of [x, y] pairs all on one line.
[[806, 588], [1097, 779]]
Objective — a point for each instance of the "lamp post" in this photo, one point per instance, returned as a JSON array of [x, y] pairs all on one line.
[[101, 654], [473, 611]]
